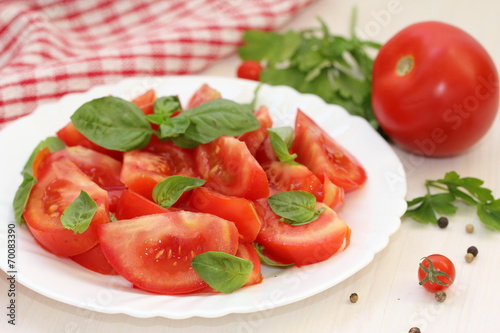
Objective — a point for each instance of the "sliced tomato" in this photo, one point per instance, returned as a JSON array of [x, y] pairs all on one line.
[[146, 101], [72, 137], [95, 260], [229, 168], [248, 252], [60, 184], [302, 244], [204, 94], [265, 153], [101, 169], [324, 156], [238, 210], [254, 139], [333, 194], [39, 157], [180, 160], [293, 177], [142, 170], [131, 204], [155, 252]]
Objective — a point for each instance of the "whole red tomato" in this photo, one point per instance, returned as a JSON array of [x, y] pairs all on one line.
[[249, 69], [435, 89], [436, 272]]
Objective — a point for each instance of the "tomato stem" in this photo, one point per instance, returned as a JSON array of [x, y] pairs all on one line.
[[431, 274], [405, 65]]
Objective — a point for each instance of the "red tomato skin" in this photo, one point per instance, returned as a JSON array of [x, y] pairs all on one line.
[[95, 261], [145, 101], [324, 156], [443, 264], [204, 94], [238, 210], [72, 137], [131, 204], [254, 139], [303, 244], [53, 192], [154, 252], [250, 70], [449, 99], [229, 168]]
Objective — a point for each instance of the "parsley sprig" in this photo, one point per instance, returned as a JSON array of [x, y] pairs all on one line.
[[336, 68], [452, 187]]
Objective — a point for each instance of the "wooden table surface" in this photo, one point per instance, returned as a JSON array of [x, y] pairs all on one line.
[[390, 299]]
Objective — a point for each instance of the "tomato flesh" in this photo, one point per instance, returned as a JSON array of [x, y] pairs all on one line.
[[204, 94], [60, 184], [302, 244], [324, 156], [155, 252], [435, 89], [229, 168], [131, 204], [238, 210]]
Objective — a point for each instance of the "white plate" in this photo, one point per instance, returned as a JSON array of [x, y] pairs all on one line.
[[373, 212]]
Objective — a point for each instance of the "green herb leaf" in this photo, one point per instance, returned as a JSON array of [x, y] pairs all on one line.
[[173, 127], [167, 105], [169, 190], [79, 213], [453, 187], [296, 207], [281, 139], [216, 118], [489, 214], [22, 195], [222, 271], [265, 260], [53, 143], [113, 123]]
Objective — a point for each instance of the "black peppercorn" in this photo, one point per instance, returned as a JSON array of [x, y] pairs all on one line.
[[472, 250], [442, 222]]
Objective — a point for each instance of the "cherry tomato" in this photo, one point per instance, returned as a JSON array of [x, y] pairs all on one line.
[[435, 89], [154, 252], [249, 69], [324, 156], [436, 272]]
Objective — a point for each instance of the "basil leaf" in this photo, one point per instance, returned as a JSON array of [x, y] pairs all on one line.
[[222, 271], [174, 126], [169, 190], [53, 143], [281, 139], [265, 260], [22, 195], [79, 213], [167, 105], [296, 207], [218, 117], [113, 123]]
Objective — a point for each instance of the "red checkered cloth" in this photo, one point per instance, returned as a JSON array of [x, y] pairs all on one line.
[[51, 47]]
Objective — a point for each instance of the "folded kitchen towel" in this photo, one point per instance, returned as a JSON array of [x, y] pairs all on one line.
[[53, 47]]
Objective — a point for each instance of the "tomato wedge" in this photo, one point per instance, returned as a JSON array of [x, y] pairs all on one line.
[[302, 244], [155, 252], [131, 204], [72, 137], [145, 101], [293, 177], [95, 260], [60, 184], [229, 168], [254, 139], [238, 210], [204, 94], [324, 156]]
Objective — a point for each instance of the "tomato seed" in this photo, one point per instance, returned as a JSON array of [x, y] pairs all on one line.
[[353, 298], [442, 222], [473, 250]]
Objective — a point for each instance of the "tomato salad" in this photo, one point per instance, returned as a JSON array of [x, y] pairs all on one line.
[[187, 200]]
